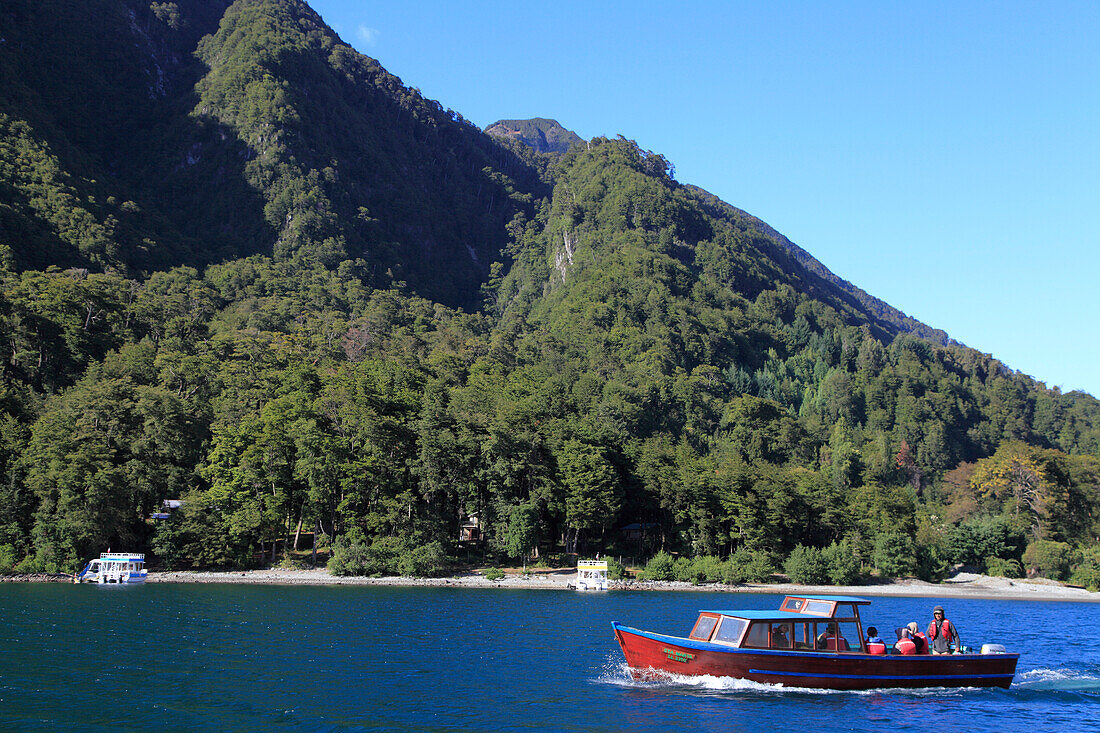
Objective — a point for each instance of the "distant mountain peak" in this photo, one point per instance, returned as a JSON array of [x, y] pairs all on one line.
[[545, 136]]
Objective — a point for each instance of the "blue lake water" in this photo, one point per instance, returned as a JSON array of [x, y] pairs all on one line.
[[249, 657]]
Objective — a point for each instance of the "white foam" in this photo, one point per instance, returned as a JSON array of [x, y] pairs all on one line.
[[617, 673], [1057, 679]]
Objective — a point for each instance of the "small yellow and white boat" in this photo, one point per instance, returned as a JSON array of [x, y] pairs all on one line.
[[114, 567], [591, 575]]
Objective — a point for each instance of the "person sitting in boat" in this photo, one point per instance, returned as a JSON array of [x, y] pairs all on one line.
[[779, 637], [943, 633], [875, 645], [911, 641], [831, 640]]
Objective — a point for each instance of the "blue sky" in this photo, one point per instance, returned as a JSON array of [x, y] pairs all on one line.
[[943, 157]]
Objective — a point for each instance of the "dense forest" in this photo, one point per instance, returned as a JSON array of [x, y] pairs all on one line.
[[243, 266]]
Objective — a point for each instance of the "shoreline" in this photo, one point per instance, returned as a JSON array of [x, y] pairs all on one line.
[[962, 585]]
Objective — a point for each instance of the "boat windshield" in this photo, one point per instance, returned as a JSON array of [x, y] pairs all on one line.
[[703, 627], [730, 630], [769, 635]]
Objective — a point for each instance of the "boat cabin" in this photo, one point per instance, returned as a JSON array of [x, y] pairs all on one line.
[[804, 623]]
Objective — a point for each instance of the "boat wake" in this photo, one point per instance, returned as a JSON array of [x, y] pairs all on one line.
[[617, 673], [1057, 679]]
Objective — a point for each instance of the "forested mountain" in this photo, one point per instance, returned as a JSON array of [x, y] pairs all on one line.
[[192, 132], [245, 266]]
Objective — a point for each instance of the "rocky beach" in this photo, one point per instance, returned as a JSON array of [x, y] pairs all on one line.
[[962, 585]]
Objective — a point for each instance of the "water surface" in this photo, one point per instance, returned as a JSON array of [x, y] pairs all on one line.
[[250, 657]]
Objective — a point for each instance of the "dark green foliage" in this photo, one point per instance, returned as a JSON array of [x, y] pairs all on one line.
[[520, 535], [1087, 572], [7, 559], [267, 135], [1049, 559], [660, 567], [423, 561], [807, 565], [702, 569], [972, 541], [895, 555], [1000, 567], [354, 556], [841, 563], [351, 559], [615, 569], [747, 566]]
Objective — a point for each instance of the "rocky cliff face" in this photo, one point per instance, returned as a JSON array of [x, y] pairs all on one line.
[[545, 136]]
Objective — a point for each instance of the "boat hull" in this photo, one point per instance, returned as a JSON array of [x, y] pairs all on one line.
[[106, 578], [649, 655]]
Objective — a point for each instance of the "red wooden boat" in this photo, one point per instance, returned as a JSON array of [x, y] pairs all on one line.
[[814, 642]]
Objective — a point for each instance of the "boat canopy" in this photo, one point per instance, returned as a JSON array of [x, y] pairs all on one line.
[[812, 623], [138, 557], [795, 608]]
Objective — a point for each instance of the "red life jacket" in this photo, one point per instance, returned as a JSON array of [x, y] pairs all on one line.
[[836, 644], [921, 642], [876, 647], [906, 646], [945, 629]]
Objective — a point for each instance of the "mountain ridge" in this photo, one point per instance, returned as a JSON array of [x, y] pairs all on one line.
[[542, 134]]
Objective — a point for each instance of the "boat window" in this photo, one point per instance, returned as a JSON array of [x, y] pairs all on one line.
[[757, 636], [818, 608], [803, 636], [836, 637], [703, 627], [792, 604], [850, 632], [845, 611], [730, 630], [781, 636]]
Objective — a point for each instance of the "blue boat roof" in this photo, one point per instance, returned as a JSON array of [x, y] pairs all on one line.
[[755, 614], [838, 599]]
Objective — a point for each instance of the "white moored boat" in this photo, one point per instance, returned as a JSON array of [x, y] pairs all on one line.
[[591, 575], [114, 567]]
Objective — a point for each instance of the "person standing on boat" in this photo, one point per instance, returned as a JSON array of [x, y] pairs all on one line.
[[942, 633]]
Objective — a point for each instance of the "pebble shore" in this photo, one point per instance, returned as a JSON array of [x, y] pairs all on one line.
[[963, 585]]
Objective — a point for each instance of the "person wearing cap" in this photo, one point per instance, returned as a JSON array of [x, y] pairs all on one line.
[[942, 633]]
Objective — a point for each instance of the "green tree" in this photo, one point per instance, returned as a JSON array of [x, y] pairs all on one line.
[[592, 489]]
